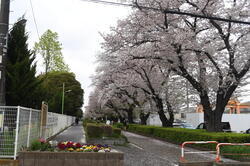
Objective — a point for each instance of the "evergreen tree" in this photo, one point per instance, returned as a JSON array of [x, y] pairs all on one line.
[[21, 82], [52, 86]]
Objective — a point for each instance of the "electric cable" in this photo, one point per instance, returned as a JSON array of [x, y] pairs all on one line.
[[34, 18], [168, 11]]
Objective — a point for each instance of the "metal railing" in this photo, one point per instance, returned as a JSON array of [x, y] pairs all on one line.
[[20, 126]]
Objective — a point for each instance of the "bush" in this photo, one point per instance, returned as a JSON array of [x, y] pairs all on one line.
[[107, 130], [99, 130], [118, 125], [117, 132], [85, 121], [94, 130], [40, 145], [180, 135], [35, 145]]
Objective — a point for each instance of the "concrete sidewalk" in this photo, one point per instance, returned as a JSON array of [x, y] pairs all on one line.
[[74, 133]]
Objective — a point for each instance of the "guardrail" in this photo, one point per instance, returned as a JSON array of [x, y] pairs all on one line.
[[182, 159], [218, 157]]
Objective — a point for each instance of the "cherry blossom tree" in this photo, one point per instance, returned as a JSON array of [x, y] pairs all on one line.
[[213, 56]]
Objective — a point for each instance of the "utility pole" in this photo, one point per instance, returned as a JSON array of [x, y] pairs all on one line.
[[4, 26]]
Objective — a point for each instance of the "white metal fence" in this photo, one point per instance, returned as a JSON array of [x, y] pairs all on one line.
[[20, 126]]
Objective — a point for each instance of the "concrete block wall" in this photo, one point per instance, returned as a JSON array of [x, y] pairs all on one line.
[[70, 158]]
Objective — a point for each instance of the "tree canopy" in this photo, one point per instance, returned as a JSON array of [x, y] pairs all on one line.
[[211, 56], [51, 50], [52, 85]]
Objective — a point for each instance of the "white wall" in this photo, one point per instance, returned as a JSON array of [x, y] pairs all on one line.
[[154, 120], [194, 118], [238, 122]]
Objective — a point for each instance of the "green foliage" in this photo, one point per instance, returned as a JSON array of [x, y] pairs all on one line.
[[94, 130], [117, 131], [50, 49], [99, 130], [107, 130], [41, 146], [119, 125], [52, 85], [22, 86], [86, 121], [35, 145], [180, 135]]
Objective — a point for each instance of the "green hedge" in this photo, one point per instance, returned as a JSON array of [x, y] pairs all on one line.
[[118, 125], [94, 130], [98, 130], [180, 135]]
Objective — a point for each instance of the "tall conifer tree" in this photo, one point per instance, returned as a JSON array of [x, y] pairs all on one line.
[[21, 82]]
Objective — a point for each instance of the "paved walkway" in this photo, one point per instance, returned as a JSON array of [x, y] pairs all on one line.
[[74, 133], [145, 151], [141, 151]]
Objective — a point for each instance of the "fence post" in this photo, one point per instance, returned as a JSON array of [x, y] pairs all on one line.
[[28, 138], [17, 131]]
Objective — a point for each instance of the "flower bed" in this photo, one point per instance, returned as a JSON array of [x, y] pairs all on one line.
[[69, 153], [77, 147]]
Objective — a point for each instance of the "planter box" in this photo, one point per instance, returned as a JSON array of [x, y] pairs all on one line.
[[5, 162], [70, 159]]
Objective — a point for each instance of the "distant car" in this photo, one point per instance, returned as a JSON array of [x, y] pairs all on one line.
[[183, 125], [225, 126], [187, 126], [247, 131]]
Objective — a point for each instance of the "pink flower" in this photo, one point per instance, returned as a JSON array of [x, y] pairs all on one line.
[[42, 140]]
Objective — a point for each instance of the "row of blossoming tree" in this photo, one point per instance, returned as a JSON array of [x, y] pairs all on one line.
[[152, 58]]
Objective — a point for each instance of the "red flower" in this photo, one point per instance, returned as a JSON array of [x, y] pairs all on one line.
[[61, 146], [70, 144], [78, 145]]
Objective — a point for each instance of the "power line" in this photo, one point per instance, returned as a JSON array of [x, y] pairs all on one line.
[[34, 18], [168, 11]]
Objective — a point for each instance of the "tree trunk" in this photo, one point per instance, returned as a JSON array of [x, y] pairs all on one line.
[[130, 115], [214, 123], [144, 118], [213, 117], [171, 115], [162, 116]]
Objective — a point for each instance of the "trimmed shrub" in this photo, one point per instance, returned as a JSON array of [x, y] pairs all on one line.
[[85, 121], [117, 131], [180, 135], [99, 130], [94, 130], [107, 130], [118, 125]]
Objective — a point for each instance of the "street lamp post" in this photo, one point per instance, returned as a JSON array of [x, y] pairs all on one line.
[[63, 92]]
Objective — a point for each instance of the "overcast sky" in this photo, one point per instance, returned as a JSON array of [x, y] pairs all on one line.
[[77, 23]]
